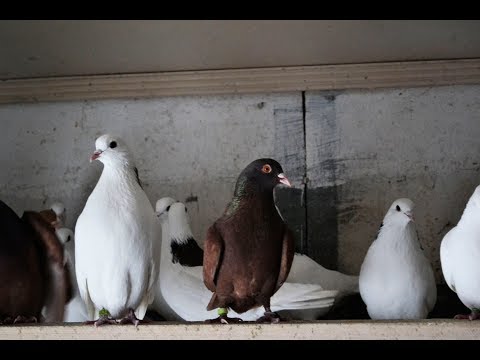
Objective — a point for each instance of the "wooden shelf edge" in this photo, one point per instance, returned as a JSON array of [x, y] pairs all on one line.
[[437, 329], [242, 81]]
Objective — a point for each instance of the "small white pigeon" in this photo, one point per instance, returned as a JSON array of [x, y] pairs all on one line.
[[460, 254], [59, 209], [75, 310], [55, 215], [115, 240], [396, 278], [182, 295]]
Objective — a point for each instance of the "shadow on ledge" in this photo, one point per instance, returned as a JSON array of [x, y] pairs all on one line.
[[353, 308]]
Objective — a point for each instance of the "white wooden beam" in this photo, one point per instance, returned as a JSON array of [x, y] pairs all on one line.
[[260, 80]]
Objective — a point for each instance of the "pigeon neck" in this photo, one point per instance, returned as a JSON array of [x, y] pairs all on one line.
[[179, 247], [122, 172], [179, 232], [247, 192], [186, 252], [399, 236]]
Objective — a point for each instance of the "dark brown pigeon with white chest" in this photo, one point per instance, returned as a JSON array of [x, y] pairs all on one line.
[[248, 252]]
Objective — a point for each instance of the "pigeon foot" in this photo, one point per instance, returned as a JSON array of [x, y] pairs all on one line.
[[223, 319], [130, 319], [104, 318], [20, 319], [474, 315], [269, 317]]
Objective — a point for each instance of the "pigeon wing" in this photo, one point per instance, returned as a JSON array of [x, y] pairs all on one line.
[[288, 251], [213, 251]]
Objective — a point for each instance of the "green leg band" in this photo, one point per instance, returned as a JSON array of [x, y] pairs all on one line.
[[104, 312], [222, 311]]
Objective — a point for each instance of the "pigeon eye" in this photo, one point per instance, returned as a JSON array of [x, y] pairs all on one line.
[[113, 145], [168, 208], [68, 238], [186, 210], [267, 169], [398, 208]]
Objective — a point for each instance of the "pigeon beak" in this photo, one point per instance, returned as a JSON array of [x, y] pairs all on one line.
[[95, 155], [284, 180], [410, 216]]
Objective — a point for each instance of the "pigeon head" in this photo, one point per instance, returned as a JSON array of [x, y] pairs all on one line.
[[110, 149], [55, 215], [64, 235], [162, 207], [59, 209], [178, 223], [265, 174], [400, 212]]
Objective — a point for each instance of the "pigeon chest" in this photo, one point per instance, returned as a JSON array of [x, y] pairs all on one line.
[[252, 251]]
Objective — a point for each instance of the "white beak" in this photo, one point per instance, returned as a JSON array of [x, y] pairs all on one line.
[[284, 180]]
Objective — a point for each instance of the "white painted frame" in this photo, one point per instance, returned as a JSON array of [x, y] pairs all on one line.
[[241, 81]]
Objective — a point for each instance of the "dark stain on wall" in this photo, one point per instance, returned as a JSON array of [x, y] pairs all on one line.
[[322, 225], [290, 204]]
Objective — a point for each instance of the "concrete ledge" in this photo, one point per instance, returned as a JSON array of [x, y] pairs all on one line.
[[438, 329]]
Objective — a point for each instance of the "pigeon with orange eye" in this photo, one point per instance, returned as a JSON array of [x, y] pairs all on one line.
[[249, 250]]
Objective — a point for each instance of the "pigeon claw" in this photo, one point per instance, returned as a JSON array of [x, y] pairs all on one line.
[[223, 319], [130, 319], [102, 320], [269, 317], [20, 319], [23, 319], [473, 316]]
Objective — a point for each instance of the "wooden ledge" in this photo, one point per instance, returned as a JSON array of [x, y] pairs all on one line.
[[242, 81], [438, 329]]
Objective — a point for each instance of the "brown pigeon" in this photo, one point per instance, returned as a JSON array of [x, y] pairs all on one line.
[[32, 272], [248, 252]]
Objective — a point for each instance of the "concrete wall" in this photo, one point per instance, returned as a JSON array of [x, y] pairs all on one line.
[[190, 148], [366, 149], [363, 150]]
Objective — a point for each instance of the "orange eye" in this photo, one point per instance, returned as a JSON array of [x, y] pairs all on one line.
[[267, 169]]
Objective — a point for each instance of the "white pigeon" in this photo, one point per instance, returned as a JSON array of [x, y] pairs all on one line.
[[396, 278], [55, 215], [116, 260], [181, 286], [459, 256], [75, 310], [59, 209]]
